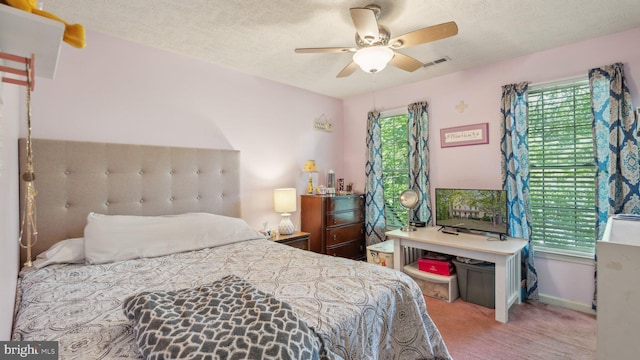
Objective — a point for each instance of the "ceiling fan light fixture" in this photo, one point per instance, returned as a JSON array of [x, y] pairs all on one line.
[[373, 59]]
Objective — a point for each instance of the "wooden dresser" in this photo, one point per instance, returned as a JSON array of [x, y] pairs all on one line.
[[335, 224]]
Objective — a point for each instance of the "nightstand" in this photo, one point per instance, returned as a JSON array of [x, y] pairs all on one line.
[[298, 240]]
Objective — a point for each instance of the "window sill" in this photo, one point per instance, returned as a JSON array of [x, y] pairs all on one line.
[[566, 256]]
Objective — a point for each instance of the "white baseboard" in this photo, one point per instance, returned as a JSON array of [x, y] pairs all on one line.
[[556, 301]]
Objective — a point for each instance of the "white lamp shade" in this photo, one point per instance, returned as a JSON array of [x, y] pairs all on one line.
[[373, 59], [284, 200]]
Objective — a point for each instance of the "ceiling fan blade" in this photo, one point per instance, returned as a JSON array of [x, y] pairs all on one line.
[[325, 50], [348, 70], [405, 62], [366, 24], [425, 35]]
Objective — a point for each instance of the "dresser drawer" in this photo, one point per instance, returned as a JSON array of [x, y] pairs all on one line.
[[336, 236], [345, 217], [341, 203], [351, 250]]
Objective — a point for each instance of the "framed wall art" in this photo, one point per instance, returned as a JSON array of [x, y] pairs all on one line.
[[464, 135]]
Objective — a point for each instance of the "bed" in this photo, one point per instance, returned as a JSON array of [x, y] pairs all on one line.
[[98, 276]]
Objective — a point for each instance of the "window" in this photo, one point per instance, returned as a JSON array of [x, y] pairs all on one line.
[[395, 166], [562, 168]]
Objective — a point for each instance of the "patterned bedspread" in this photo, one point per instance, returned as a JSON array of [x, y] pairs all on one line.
[[360, 310]]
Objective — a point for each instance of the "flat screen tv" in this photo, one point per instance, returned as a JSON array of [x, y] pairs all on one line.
[[472, 210]]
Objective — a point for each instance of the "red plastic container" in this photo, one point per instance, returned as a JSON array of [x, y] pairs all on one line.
[[440, 267]]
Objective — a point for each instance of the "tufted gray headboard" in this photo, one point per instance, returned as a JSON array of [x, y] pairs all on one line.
[[74, 178]]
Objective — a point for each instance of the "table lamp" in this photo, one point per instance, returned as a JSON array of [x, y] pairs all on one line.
[[310, 167], [284, 201]]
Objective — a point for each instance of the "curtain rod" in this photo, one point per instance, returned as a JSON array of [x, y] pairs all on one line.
[[562, 81], [398, 110]]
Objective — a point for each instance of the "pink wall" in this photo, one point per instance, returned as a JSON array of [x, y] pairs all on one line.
[[119, 91], [122, 92], [480, 88]]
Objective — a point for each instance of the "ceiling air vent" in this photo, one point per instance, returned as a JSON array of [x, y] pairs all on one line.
[[436, 62]]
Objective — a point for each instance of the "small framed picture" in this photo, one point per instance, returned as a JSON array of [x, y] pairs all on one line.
[[464, 135]]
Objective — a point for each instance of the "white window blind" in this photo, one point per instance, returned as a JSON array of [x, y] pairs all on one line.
[[395, 166], [562, 168]]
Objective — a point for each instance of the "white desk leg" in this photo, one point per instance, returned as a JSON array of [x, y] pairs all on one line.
[[398, 255], [502, 300]]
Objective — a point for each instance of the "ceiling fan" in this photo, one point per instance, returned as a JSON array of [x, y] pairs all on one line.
[[374, 46]]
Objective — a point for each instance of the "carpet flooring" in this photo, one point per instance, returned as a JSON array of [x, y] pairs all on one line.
[[534, 331]]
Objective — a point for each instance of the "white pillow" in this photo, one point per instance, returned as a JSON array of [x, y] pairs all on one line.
[[111, 238], [69, 251]]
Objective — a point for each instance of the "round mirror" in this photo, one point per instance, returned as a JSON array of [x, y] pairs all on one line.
[[409, 199]]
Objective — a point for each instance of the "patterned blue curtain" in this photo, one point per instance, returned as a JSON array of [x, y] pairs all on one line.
[[615, 144], [615, 147], [375, 224], [514, 130], [418, 128]]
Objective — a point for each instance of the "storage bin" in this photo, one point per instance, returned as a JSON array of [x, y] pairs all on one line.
[[477, 283], [440, 267], [433, 285], [381, 253]]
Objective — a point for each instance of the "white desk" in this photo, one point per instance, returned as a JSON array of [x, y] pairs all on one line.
[[505, 254]]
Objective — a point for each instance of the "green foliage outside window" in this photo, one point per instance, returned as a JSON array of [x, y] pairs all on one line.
[[395, 166], [562, 168]]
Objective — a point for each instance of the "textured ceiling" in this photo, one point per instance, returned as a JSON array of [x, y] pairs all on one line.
[[258, 37]]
